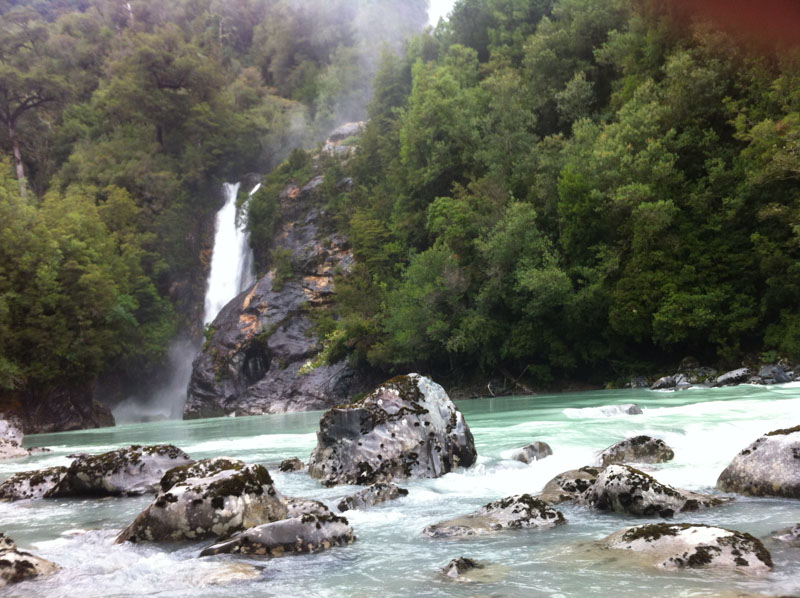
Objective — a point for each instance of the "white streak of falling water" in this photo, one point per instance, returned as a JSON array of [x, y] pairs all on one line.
[[231, 260]]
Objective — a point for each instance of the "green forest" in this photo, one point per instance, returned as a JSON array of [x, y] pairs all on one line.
[[553, 189]]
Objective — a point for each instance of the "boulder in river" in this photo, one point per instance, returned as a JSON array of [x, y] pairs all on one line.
[[214, 497], [773, 374], [737, 376], [623, 489], [407, 427], [514, 512], [770, 466], [684, 545], [297, 507], [308, 533], [638, 449], [372, 495], [532, 452], [789, 536], [11, 441], [127, 471], [293, 464], [17, 565], [570, 485], [456, 568], [31, 484]]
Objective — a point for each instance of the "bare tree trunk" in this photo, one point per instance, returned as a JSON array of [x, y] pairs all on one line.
[[17, 159]]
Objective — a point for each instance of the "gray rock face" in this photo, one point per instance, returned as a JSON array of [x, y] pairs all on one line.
[[639, 449], [11, 441], [664, 383], [773, 374], [570, 485], [683, 545], [373, 495], [768, 467], [533, 452], [639, 382], [252, 363], [514, 512], [31, 484], [790, 536], [213, 498], [293, 464], [458, 567], [17, 566], [407, 427], [623, 489], [734, 377], [126, 471], [297, 507], [309, 533]]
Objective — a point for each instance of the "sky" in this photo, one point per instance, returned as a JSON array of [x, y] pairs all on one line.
[[439, 8]]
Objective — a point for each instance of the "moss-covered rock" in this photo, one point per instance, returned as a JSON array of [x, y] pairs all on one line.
[[31, 484], [770, 466], [227, 497], [308, 533], [569, 485], [407, 427], [532, 452], [127, 471], [684, 545], [17, 565], [290, 465], [639, 449], [514, 512], [297, 507], [373, 495], [623, 489]]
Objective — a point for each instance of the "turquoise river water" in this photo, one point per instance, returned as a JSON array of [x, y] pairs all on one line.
[[706, 428]]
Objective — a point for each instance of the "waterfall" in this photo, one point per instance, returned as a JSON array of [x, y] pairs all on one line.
[[232, 259]]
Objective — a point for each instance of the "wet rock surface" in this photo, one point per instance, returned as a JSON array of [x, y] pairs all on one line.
[[770, 466], [683, 545], [737, 376], [639, 449], [570, 485], [456, 568], [127, 471], [31, 484], [213, 498], [17, 565], [373, 495], [308, 533], [297, 507], [515, 512], [11, 440], [623, 489], [532, 452], [789, 535], [293, 464], [407, 427], [251, 364]]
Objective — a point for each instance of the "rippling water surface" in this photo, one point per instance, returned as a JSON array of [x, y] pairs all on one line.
[[706, 428]]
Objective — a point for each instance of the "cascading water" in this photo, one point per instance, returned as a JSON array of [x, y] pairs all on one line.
[[231, 260]]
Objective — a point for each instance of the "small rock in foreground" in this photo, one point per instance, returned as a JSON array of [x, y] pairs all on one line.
[[515, 512], [684, 545], [532, 452], [293, 464], [458, 567], [373, 495], [17, 565], [309, 533]]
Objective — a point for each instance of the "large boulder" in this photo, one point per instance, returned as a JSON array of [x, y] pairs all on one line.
[[407, 427], [623, 489], [308, 533], [514, 512], [570, 485], [297, 507], [260, 356], [738, 376], [370, 496], [770, 466], [212, 498], [532, 452], [773, 374], [31, 484], [17, 565], [683, 545], [639, 449], [11, 440], [127, 471]]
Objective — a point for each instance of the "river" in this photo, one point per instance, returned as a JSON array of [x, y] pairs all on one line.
[[706, 428]]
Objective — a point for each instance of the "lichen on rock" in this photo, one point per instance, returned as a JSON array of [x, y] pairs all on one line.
[[375, 494], [532, 452], [638, 449], [17, 565], [570, 485], [31, 484]]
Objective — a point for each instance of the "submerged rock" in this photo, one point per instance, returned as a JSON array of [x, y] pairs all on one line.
[[770, 466], [407, 427], [458, 567], [570, 485], [215, 497], [684, 545], [309, 533], [514, 512], [604, 411], [126, 471], [17, 565], [31, 484], [639, 449], [790, 535], [623, 489], [293, 464], [532, 452], [373, 495]]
